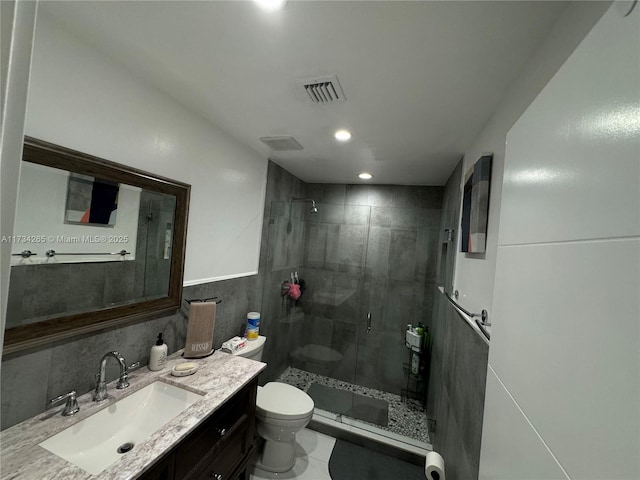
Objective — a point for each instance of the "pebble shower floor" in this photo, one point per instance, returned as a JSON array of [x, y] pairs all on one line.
[[406, 417]]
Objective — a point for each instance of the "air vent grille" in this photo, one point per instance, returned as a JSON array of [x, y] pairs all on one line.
[[323, 90], [281, 144]]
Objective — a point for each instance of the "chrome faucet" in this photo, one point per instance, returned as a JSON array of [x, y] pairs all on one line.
[[101, 387]]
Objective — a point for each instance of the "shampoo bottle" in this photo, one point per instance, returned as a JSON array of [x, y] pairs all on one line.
[[158, 357]]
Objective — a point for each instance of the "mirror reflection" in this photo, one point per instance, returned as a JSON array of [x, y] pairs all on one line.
[[95, 244], [79, 265]]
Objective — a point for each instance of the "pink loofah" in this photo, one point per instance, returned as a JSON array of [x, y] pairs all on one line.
[[294, 291]]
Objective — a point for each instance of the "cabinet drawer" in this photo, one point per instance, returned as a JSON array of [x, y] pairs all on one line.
[[206, 437], [189, 462], [226, 459]]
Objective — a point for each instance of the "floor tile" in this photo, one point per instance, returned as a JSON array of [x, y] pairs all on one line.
[[314, 470], [314, 450], [309, 469], [315, 445]]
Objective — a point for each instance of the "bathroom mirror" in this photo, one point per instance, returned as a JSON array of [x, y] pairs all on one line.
[[95, 244]]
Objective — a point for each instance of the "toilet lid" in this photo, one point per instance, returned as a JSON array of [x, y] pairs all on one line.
[[279, 400]]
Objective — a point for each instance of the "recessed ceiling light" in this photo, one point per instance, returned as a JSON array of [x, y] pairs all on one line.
[[343, 135], [271, 5], [365, 176]]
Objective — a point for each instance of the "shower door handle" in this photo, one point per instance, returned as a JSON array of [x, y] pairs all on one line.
[[368, 322]]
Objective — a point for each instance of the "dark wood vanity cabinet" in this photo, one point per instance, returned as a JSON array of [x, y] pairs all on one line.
[[219, 449]]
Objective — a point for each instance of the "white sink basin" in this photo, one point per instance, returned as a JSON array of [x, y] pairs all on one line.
[[93, 443]]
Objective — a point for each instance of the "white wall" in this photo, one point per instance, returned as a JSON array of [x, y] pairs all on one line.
[[474, 276], [563, 387], [42, 199], [81, 99], [18, 24]]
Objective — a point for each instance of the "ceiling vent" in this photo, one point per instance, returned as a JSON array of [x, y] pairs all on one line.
[[281, 144], [323, 89]]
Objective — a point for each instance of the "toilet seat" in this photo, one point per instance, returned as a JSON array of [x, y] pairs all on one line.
[[280, 401]]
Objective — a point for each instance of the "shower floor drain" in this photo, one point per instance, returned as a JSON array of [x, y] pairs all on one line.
[[125, 447]]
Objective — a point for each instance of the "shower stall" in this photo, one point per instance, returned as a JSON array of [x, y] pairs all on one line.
[[365, 257]]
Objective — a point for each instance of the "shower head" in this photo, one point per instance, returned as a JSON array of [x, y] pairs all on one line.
[[313, 209]]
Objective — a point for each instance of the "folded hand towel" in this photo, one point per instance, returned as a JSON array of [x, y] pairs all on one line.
[[202, 319]]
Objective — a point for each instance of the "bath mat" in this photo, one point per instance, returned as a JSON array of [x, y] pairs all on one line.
[[350, 404], [352, 462]]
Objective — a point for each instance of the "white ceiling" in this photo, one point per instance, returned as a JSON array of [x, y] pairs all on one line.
[[421, 78]]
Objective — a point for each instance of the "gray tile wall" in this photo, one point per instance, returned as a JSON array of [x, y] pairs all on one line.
[[43, 291], [456, 391], [451, 204], [32, 377], [280, 254], [459, 362], [368, 249], [40, 292]]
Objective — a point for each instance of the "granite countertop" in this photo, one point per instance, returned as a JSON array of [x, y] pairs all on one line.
[[219, 377]]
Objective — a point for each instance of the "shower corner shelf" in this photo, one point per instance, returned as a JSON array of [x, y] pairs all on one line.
[[417, 383]]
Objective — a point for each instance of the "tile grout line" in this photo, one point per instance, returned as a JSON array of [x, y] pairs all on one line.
[[318, 458], [530, 423], [321, 437], [572, 241]]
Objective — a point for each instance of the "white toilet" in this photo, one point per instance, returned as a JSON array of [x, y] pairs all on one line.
[[281, 411]]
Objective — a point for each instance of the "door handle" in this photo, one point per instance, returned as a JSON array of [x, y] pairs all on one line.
[[368, 322]]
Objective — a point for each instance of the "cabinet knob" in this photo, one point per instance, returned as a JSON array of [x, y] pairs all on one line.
[[216, 476], [221, 432]]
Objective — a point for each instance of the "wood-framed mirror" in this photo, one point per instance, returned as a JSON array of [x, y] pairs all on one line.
[[96, 244]]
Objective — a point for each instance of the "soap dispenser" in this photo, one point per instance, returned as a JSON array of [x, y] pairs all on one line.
[[158, 357]]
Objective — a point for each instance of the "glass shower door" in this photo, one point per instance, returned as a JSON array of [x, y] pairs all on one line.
[[364, 270], [332, 267], [153, 249], [378, 285]]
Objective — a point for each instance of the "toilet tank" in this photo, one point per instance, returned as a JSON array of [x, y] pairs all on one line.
[[254, 349]]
